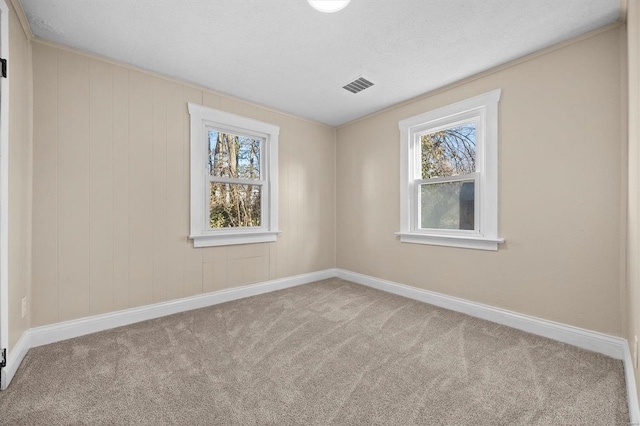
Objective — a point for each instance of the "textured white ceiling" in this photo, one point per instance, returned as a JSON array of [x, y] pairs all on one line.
[[286, 55]]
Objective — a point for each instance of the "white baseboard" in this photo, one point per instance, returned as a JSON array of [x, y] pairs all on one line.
[[586, 339], [614, 347], [75, 328], [14, 359], [45, 335], [632, 393]]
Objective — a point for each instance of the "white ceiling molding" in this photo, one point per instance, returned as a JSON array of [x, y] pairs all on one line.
[[285, 55]]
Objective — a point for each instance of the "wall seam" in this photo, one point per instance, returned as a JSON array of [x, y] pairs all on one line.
[[58, 182], [30, 200], [128, 194], [89, 186], [624, 160], [335, 198], [113, 197]]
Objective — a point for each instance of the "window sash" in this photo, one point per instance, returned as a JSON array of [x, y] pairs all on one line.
[[475, 115], [468, 117], [417, 198], [244, 134], [201, 120], [263, 208], [263, 183], [235, 181], [483, 109]]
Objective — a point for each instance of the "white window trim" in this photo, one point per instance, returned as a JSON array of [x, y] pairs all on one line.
[[203, 118], [485, 108]]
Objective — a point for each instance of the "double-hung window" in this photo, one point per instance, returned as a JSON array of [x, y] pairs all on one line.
[[449, 175], [234, 178]]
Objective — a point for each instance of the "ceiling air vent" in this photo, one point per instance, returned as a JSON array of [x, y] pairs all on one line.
[[358, 85]]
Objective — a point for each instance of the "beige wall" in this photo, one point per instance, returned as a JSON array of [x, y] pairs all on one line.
[[111, 192], [633, 233], [20, 161], [562, 162]]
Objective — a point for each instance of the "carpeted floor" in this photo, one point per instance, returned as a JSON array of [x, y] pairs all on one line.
[[328, 353]]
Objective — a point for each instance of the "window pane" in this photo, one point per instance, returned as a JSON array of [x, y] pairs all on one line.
[[234, 156], [232, 205], [449, 152], [448, 205]]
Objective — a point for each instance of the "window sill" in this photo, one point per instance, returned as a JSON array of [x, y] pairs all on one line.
[[234, 238], [478, 243]]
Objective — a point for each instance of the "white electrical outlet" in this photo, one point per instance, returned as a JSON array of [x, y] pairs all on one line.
[[24, 306], [635, 352]]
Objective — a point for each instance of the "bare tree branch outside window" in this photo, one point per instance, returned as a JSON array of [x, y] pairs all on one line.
[[447, 153], [234, 205]]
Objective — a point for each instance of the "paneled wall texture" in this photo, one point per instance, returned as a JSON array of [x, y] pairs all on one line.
[[111, 192], [561, 188]]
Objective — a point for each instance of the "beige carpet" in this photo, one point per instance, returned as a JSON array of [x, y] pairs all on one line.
[[328, 353]]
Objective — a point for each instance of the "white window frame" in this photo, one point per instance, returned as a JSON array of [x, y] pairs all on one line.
[[483, 110], [204, 119]]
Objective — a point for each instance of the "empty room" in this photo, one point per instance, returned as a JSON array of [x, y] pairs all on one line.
[[319, 212]]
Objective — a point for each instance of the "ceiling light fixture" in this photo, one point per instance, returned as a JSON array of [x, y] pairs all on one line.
[[328, 6]]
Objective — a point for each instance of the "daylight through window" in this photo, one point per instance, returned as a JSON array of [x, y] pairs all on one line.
[[234, 175], [447, 188], [235, 185], [449, 181]]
